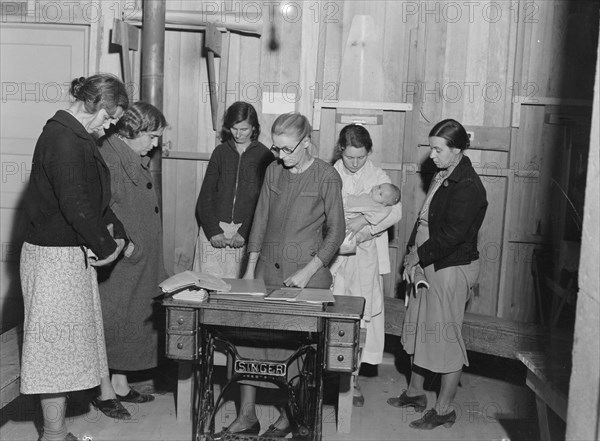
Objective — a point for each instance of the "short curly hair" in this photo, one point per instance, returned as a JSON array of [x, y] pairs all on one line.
[[140, 117]]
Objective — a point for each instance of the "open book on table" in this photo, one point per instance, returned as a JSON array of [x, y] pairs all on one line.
[[241, 289], [308, 295], [196, 286]]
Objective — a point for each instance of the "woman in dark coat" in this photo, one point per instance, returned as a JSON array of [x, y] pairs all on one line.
[[127, 289], [444, 244], [68, 235]]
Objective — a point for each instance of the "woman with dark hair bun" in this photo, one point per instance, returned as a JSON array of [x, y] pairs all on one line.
[[444, 244], [71, 231], [229, 193], [128, 287]]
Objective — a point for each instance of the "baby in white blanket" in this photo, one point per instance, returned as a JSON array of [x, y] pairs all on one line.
[[374, 206]]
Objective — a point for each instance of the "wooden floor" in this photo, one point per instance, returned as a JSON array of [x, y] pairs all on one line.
[[499, 408]]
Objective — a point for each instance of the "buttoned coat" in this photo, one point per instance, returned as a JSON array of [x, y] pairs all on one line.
[[127, 289]]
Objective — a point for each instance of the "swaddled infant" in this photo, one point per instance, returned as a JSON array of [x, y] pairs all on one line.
[[374, 206]]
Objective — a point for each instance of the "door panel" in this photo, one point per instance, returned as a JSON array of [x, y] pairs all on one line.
[[38, 63]]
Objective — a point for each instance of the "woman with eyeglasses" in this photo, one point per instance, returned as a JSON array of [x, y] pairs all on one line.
[[298, 227], [229, 193]]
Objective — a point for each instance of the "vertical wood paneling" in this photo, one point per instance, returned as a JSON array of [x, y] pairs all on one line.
[[496, 91], [478, 51], [427, 59], [456, 95]]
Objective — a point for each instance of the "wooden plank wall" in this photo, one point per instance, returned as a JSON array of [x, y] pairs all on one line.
[[553, 52], [467, 61], [459, 77]]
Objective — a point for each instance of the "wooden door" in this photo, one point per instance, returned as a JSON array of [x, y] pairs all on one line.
[[38, 63]]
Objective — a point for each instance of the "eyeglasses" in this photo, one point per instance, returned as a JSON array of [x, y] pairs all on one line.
[[286, 150]]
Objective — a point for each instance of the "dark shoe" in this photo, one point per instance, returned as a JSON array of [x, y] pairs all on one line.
[[358, 400], [112, 408], [275, 432], [431, 420], [252, 430], [419, 402], [133, 396], [70, 437]]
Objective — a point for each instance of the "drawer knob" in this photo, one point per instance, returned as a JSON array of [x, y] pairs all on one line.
[[181, 320], [340, 358], [179, 345], [341, 333]]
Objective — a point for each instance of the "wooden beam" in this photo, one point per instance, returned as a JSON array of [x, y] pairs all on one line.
[[484, 138], [542, 101], [249, 22], [190, 156], [10, 368], [363, 105]]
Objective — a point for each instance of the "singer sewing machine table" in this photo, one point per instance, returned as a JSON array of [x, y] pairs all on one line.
[[332, 344]]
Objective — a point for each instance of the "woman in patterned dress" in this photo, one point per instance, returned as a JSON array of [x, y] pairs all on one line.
[[69, 233]]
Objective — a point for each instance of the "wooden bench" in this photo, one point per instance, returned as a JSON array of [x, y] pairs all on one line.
[[545, 352], [548, 375], [10, 367], [487, 335]]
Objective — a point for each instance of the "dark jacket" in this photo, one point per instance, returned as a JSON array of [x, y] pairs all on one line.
[[231, 187], [69, 190], [455, 216]]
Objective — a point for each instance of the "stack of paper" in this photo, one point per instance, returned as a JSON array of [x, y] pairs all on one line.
[[187, 279], [301, 295], [192, 295], [241, 289]]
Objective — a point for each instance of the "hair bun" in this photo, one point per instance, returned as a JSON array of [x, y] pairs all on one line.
[[76, 86]]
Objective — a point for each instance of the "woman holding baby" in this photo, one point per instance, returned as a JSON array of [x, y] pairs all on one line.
[[359, 273]]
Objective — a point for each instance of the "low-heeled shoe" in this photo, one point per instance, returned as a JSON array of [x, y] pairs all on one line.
[[70, 437], [112, 408], [431, 420], [254, 429], [133, 396], [419, 402], [275, 432], [358, 400]]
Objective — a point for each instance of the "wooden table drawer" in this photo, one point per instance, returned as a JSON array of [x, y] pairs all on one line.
[[182, 346], [341, 358], [342, 331], [182, 319]]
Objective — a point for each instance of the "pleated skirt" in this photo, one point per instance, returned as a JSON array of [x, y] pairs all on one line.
[[432, 329]]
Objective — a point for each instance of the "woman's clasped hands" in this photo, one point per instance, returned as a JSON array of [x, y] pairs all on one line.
[[221, 241]]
